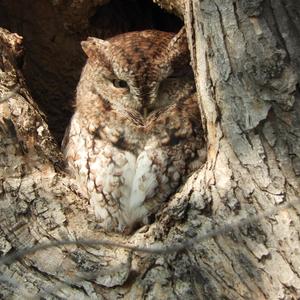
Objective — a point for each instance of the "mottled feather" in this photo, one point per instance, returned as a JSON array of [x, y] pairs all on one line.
[[135, 133]]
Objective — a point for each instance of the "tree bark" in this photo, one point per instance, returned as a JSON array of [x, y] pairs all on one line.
[[246, 59]]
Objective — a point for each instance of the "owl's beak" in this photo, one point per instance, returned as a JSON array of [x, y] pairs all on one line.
[[145, 112]]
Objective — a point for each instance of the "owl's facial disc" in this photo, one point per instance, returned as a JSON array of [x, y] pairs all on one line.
[[124, 93]]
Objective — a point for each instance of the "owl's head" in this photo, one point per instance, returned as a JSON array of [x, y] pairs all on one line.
[[142, 71]]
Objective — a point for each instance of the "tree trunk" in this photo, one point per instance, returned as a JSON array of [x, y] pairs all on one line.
[[246, 59]]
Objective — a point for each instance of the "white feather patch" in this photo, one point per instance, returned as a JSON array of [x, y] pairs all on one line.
[[144, 181]]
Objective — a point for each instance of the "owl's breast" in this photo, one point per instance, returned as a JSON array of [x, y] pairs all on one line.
[[127, 170]]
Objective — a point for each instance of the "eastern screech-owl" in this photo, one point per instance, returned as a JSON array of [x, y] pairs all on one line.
[[136, 134]]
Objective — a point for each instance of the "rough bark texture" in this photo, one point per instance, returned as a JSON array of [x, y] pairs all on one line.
[[246, 57]]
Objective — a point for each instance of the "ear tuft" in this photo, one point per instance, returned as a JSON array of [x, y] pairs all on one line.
[[178, 46], [93, 46], [176, 54]]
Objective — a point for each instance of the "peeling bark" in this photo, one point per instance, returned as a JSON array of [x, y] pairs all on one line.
[[245, 56], [176, 6], [248, 94]]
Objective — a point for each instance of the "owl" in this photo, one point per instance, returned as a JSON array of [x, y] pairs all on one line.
[[135, 135]]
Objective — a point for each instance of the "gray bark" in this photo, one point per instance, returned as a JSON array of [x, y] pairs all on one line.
[[246, 59]]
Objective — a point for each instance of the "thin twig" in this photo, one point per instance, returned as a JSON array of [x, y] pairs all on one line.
[[159, 250]]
